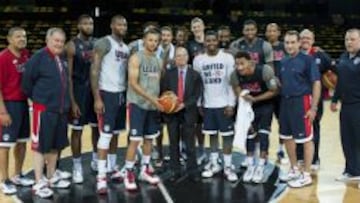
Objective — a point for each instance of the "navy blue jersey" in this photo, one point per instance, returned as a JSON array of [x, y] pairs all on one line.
[[279, 54], [82, 60], [322, 59], [348, 70], [297, 75]]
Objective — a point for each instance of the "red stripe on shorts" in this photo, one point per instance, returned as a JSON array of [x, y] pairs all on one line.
[[37, 110], [307, 106]]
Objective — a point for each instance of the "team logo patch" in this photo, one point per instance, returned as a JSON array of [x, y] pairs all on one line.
[[106, 128], [318, 61], [357, 60], [6, 137], [133, 131]]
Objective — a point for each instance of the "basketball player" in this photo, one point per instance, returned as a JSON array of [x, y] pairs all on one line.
[[138, 45], [300, 93], [272, 34], [260, 50], [224, 35], [262, 85], [79, 54], [323, 62], [166, 52], [215, 67], [109, 83], [181, 37], [45, 81], [14, 114], [144, 88], [196, 47], [348, 71]]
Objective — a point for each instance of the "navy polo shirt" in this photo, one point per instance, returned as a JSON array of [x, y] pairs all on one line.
[[297, 75]]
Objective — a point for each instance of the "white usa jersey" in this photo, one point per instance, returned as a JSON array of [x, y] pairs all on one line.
[[215, 72], [114, 67]]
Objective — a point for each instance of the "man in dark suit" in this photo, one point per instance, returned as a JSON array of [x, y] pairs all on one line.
[[186, 84]]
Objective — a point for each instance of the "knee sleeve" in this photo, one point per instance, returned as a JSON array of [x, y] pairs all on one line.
[[264, 140], [227, 141], [104, 141]]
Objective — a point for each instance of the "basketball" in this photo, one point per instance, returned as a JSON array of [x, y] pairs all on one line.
[[329, 79], [169, 101]]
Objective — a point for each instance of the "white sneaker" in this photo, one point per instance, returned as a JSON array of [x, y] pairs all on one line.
[[201, 159], [101, 185], [249, 173], [42, 189], [302, 181], [230, 174], [77, 176], [117, 174], [258, 174], [21, 180], [129, 180], [62, 174], [8, 188], [56, 182], [293, 174], [94, 165], [347, 177], [211, 169], [147, 175]]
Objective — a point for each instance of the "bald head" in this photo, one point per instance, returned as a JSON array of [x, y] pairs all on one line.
[[181, 57]]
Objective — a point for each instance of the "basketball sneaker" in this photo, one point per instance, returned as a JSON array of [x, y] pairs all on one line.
[[42, 190], [77, 176], [211, 169], [147, 175], [303, 180], [258, 174], [101, 185], [230, 174], [8, 188], [293, 174], [57, 182], [129, 180], [249, 173], [118, 175], [21, 180], [62, 174]]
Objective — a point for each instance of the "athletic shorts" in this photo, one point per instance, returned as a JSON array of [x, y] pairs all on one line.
[[293, 124], [143, 123], [113, 120], [262, 120], [85, 101], [49, 130], [216, 122], [19, 130]]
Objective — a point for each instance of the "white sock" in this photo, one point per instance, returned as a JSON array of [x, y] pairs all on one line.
[[250, 160], [262, 162], [227, 160], [102, 167], [94, 156], [129, 164], [281, 147], [111, 161], [214, 157], [145, 159], [77, 163]]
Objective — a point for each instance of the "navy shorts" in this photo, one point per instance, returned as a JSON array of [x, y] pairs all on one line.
[[293, 124], [216, 122], [143, 123], [49, 130], [19, 130], [85, 101], [113, 120], [262, 120]]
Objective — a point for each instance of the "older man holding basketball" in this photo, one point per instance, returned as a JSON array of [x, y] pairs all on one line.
[[187, 85]]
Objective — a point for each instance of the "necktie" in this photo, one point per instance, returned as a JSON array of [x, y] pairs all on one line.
[[180, 90]]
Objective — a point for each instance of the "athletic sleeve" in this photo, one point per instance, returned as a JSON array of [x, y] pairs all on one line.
[[102, 46], [230, 92], [313, 70], [269, 78], [268, 52], [30, 74]]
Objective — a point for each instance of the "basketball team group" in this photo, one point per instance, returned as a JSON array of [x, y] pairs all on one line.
[[206, 85]]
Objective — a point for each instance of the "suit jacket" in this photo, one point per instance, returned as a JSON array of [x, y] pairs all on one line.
[[193, 90]]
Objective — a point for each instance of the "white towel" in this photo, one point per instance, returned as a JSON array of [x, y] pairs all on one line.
[[244, 118]]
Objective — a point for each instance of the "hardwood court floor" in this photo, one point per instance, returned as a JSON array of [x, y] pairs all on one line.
[[324, 189]]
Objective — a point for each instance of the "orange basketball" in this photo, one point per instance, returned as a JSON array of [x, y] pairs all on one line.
[[329, 79], [169, 101]]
